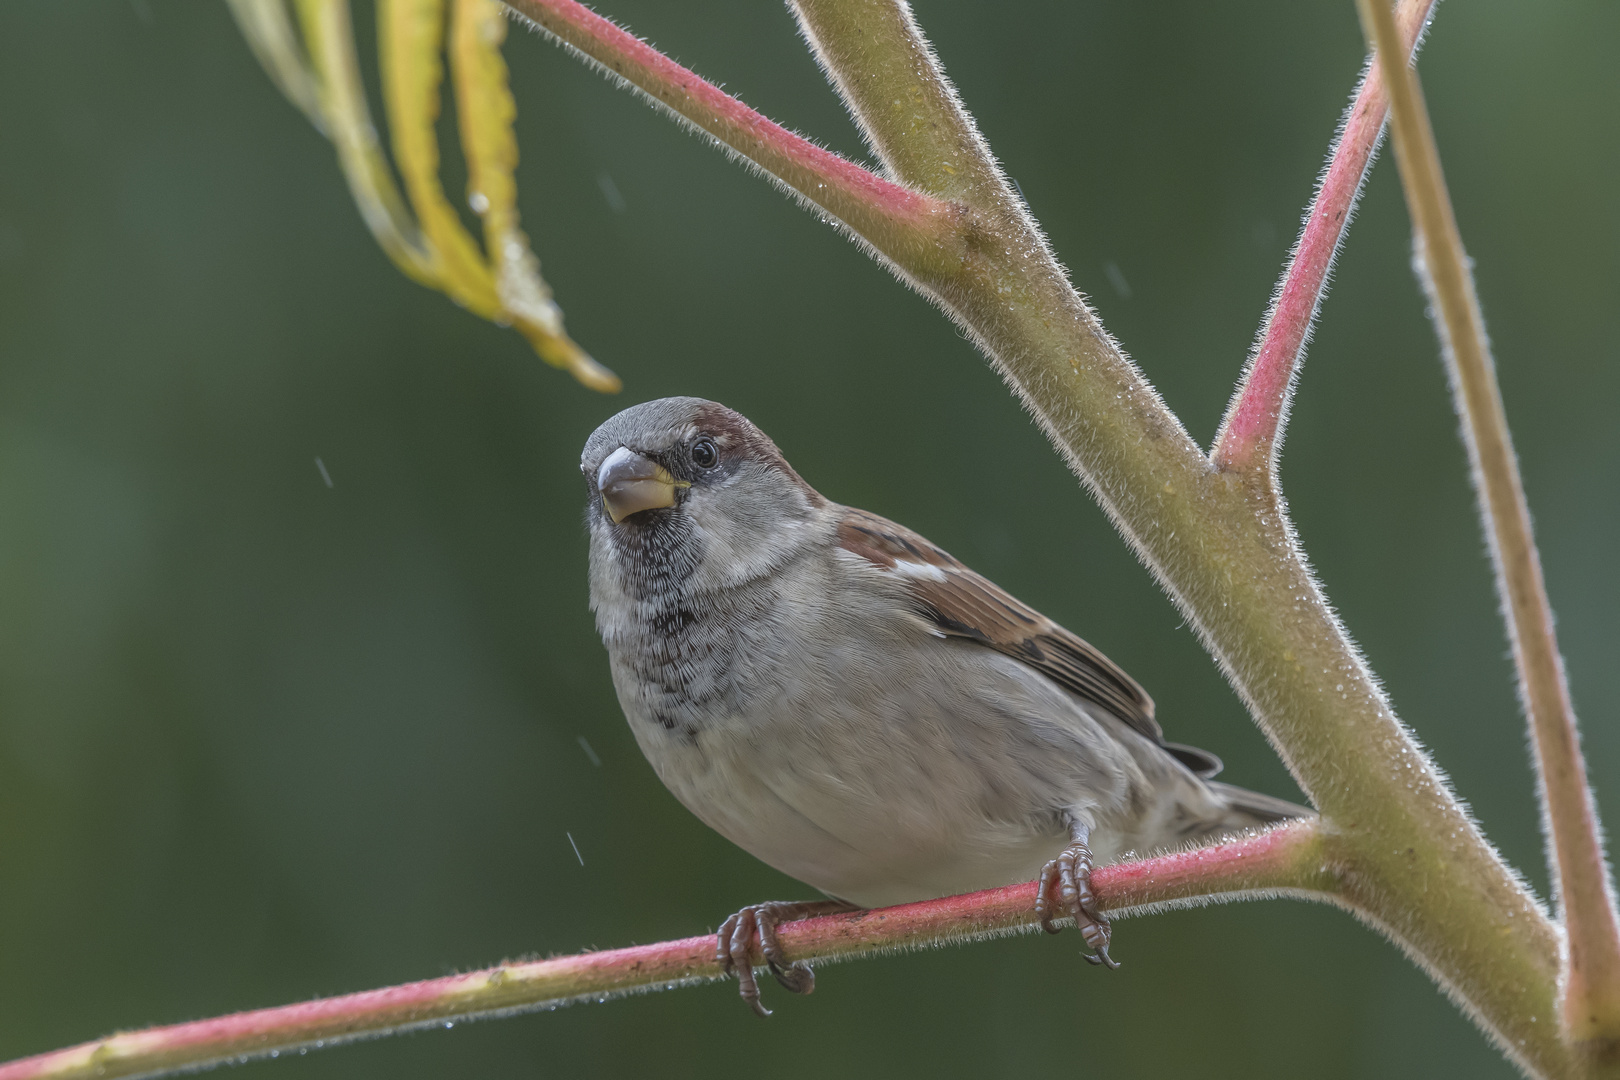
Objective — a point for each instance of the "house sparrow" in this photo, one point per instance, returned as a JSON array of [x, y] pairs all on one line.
[[855, 707]]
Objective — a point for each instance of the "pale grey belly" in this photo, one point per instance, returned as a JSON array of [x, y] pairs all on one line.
[[881, 787]]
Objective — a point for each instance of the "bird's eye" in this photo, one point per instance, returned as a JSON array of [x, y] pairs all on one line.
[[705, 455]]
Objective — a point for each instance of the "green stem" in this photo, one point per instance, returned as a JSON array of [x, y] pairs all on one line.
[[1222, 546], [1591, 961]]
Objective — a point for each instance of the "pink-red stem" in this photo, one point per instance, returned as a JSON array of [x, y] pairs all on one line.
[[1253, 425], [896, 219], [1287, 859]]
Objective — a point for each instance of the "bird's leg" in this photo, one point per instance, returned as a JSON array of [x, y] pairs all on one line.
[[734, 946], [1069, 876]]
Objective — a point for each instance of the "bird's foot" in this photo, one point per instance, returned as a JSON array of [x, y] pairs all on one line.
[[734, 946], [1065, 889]]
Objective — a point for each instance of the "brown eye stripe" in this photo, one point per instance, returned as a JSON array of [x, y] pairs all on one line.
[[737, 437]]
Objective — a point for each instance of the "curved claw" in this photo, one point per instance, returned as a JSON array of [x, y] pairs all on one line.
[[1069, 876], [734, 948], [797, 978]]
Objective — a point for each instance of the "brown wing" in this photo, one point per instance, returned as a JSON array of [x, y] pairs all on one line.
[[964, 604]]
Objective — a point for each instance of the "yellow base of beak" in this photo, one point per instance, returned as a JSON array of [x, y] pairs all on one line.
[[630, 483]]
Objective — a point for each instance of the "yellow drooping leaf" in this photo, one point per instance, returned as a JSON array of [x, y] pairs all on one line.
[[485, 112], [410, 34], [426, 238], [329, 35]]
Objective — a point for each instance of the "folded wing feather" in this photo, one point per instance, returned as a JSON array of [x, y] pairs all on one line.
[[961, 603]]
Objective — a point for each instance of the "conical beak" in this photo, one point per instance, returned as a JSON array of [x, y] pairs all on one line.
[[630, 483]]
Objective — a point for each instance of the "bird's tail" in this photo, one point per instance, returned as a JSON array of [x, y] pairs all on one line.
[[1247, 809]]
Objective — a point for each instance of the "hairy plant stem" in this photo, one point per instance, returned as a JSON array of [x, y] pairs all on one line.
[[1252, 430], [1420, 869], [1590, 981], [1292, 860], [903, 226]]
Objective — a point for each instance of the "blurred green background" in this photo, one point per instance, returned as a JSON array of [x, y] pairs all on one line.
[[262, 740]]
